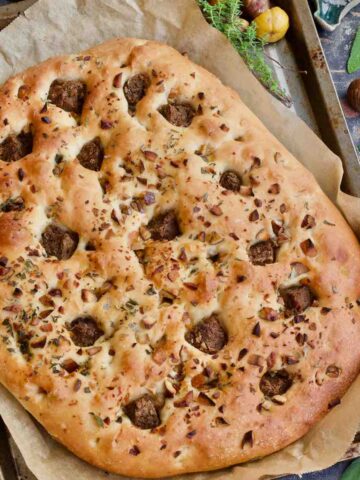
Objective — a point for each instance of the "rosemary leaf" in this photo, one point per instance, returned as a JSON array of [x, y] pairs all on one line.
[[225, 17]]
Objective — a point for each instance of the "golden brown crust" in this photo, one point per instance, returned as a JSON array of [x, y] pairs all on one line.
[[147, 287]]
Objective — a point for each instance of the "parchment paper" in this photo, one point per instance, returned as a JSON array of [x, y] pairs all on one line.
[[52, 27]]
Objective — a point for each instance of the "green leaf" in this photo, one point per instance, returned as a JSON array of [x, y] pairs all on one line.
[[354, 59], [352, 472], [99, 421], [225, 15]]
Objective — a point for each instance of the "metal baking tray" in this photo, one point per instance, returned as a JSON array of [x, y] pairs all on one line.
[[302, 70], [313, 92]]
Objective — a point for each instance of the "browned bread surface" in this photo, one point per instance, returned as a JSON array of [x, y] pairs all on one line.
[[176, 292]]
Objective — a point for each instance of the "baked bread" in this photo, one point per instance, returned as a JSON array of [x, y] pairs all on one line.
[[177, 293]]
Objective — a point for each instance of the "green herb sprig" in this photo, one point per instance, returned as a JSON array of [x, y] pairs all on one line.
[[225, 17]]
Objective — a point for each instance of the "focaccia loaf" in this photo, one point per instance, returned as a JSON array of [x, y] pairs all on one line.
[[176, 292]]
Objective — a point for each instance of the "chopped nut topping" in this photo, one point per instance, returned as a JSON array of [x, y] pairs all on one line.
[[69, 365], [256, 360], [274, 189], [268, 314], [248, 439], [134, 451], [333, 371], [185, 401], [308, 248], [308, 222], [256, 330], [299, 268], [216, 210], [279, 399], [334, 403], [117, 80], [254, 216]]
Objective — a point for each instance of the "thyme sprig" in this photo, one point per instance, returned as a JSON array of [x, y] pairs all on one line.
[[225, 17]]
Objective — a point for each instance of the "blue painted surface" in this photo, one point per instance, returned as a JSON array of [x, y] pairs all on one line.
[[333, 473], [336, 45]]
